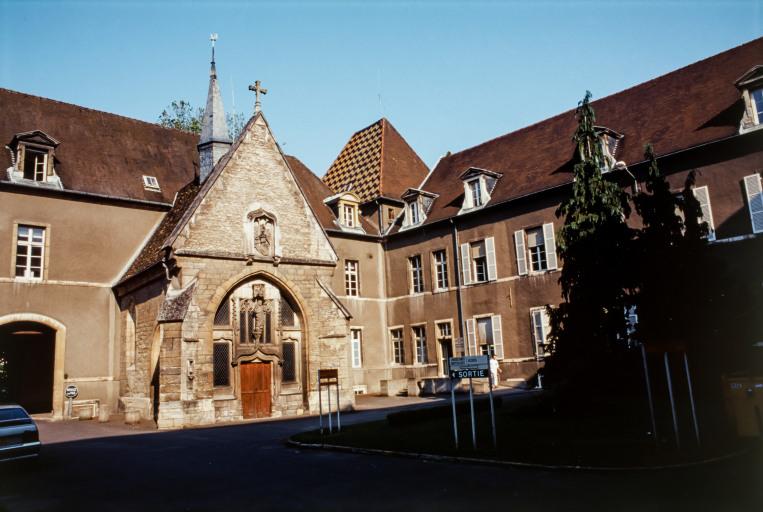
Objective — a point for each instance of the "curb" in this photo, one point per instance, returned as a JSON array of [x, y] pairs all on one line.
[[504, 463]]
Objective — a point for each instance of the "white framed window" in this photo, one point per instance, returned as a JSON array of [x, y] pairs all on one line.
[[445, 344], [420, 343], [756, 96], [398, 349], [702, 195], [349, 215], [151, 183], [35, 164], [478, 263], [484, 335], [355, 341], [414, 214], [535, 249], [30, 252], [754, 192], [541, 327], [440, 259], [475, 192], [417, 274], [351, 278]]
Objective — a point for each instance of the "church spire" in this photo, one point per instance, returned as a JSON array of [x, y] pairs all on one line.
[[214, 142]]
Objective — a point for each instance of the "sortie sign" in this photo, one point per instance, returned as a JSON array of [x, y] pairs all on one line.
[[474, 367]]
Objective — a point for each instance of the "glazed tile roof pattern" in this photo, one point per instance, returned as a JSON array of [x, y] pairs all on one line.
[[102, 153], [688, 107], [376, 161], [315, 192]]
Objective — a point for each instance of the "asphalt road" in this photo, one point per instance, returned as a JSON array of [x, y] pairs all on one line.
[[248, 467]]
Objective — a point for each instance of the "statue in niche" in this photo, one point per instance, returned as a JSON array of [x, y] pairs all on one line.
[[261, 309], [263, 230]]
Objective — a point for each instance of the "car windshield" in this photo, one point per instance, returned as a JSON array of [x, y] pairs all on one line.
[[12, 413]]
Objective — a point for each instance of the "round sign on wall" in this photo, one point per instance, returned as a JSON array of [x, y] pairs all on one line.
[[71, 391]]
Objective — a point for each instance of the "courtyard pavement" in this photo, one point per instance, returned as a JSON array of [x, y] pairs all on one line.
[[91, 466]]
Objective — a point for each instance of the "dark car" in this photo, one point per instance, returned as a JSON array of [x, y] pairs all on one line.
[[19, 438]]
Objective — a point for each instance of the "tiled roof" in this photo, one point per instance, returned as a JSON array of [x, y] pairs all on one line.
[[376, 161], [316, 191], [102, 153], [687, 107], [152, 253]]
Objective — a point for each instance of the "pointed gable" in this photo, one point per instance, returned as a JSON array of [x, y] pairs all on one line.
[[253, 179], [376, 161]]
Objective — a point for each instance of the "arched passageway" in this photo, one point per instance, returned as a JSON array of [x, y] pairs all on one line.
[[27, 358]]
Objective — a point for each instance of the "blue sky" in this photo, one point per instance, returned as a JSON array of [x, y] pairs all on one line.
[[450, 74]]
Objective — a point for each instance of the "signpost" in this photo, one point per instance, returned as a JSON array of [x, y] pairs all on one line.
[[70, 393], [471, 367], [328, 378]]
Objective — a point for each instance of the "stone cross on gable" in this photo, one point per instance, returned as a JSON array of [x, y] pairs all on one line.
[[258, 89]]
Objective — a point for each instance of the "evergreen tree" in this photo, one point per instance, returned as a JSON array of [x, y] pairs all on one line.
[[596, 280]]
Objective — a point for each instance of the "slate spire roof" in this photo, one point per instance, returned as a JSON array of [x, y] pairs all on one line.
[[213, 126], [376, 161]]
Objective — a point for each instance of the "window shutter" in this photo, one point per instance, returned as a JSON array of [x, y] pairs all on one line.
[[703, 196], [21, 157], [519, 245], [471, 339], [549, 241], [754, 201], [497, 336], [490, 250], [466, 265]]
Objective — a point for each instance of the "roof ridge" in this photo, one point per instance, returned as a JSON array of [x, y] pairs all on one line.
[[90, 109], [593, 103]]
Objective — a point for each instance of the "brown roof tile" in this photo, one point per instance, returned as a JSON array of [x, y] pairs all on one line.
[[152, 252], [102, 153], [687, 107]]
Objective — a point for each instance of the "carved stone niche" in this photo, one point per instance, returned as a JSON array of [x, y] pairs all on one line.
[[262, 233]]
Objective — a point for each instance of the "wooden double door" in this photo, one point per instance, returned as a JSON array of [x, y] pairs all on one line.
[[256, 389]]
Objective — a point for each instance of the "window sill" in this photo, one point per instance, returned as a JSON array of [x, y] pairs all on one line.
[[28, 280]]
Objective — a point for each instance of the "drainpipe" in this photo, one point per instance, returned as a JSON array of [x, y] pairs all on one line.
[[459, 300]]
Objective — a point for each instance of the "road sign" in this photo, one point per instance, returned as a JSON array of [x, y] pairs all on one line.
[[71, 391], [481, 373], [469, 363]]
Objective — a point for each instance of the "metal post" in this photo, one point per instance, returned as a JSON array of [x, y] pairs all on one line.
[[69, 408], [492, 408], [691, 398], [471, 405], [649, 393], [453, 403], [328, 394], [672, 401], [320, 402], [338, 418]]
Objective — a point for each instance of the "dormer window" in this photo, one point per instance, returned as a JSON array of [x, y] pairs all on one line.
[[345, 207], [33, 159], [417, 206], [349, 215], [475, 191], [151, 183], [751, 87], [35, 164], [757, 103], [478, 186], [413, 212], [610, 144]]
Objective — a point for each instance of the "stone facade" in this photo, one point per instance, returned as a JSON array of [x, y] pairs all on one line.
[[214, 256]]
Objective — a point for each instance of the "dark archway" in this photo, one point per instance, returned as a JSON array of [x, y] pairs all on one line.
[[27, 352]]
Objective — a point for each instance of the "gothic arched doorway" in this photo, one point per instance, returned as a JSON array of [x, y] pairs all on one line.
[[259, 350], [27, 360]]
